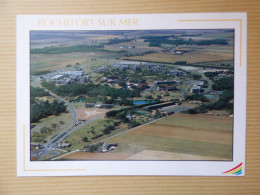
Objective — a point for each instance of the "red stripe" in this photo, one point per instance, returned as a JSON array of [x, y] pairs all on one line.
[[234, 168]]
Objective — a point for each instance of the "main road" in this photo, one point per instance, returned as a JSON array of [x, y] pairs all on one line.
[[52, 144], [66, 103]]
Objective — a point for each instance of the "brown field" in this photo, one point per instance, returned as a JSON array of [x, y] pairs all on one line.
[[95, 156], [177, 137], [157, 155], [90, 113], [187, 133], [105, 37], [144, 155]]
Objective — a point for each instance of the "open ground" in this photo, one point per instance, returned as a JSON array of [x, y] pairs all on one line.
[[89, 113], [177, 137]]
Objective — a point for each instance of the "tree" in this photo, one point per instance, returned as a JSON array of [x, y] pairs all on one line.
[[196, 76], [158, 114], [85, 139], [54, 126]]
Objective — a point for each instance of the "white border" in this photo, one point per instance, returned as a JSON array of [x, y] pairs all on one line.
[[237, 21]]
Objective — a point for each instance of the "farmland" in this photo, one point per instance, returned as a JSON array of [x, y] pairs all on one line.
[[193, 57], [177, 137]]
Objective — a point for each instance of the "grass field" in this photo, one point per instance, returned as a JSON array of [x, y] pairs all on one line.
[[177, 137], [44, 62], [191, 57], [66, 119], [90, 130]]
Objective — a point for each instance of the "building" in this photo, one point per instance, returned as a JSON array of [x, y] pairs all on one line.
[[100, 70], [165, 87], [195, 89], [84, 79], [175, 73], [57, 77], [63, 145], [121, 67], [142, 86], [199, 83], [166, 82], [106, 147], [222, 75], [91, 105]]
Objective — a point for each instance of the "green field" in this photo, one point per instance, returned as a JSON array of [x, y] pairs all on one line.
[[96, 126], [133, 143], [47, 122]]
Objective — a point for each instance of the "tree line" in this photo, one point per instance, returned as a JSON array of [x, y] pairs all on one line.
[[156, 41], [116, 41], [68, 49], [90, 89], [43, 109]]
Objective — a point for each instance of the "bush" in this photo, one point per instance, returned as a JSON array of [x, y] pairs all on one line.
[[85, 139]]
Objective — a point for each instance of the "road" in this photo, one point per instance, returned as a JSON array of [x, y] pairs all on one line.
[[209, 89], [51, 146], [65, 134], [66, 103]]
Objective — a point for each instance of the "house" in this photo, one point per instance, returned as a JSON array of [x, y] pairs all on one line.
[[142, 85], [154, 112], [129, 116], [63, 145], [106, 147]]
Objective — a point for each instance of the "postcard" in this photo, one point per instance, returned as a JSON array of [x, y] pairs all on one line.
[[136, 94]]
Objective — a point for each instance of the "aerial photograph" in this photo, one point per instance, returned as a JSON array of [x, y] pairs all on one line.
[[132, 95]]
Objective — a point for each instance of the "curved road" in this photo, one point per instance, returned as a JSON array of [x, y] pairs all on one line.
[[68, 130], [66, 103]]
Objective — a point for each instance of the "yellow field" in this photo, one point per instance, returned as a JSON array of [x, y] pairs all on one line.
[[190, 57]]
